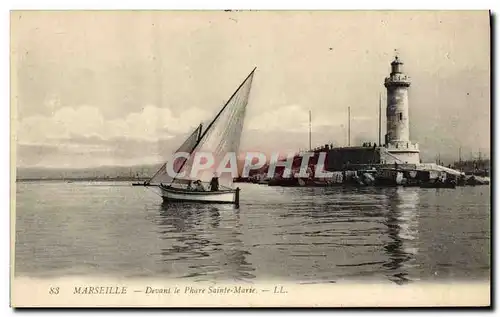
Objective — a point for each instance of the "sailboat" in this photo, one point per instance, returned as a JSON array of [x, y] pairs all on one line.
[[221, 136]]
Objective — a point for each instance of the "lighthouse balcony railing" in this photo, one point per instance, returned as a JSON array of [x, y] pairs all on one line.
[[402, 146], [397, 78]]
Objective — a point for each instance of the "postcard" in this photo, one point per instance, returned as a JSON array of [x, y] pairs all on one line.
[[250, 158]]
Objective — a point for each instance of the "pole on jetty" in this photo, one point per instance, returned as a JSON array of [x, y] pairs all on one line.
[[379, 119], [348, 126], [460, 158], [310, 145]]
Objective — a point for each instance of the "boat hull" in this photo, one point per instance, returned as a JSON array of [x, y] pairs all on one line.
[[170, 194]]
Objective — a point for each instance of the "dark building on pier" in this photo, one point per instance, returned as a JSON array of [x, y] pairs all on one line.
[[341, 158], [363, 157], [352, 158]]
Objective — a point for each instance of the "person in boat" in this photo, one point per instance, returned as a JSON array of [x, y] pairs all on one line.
[[214, 184], [198, 186], [189, 185]]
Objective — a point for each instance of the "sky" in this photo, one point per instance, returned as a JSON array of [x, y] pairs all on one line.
[[91, 88]]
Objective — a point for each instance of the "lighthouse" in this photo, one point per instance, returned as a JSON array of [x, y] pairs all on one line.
[[399, 148]]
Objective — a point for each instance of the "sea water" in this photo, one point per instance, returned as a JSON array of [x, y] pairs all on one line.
[[302, 235]]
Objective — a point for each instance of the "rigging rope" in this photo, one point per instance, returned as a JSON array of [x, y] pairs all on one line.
[[224, 136], [216, 139], [153, 191]]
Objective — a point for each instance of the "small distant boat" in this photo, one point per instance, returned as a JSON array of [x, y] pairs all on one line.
[[228, 125]]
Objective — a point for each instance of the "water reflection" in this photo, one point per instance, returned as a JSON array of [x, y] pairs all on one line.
[[401, 222], [202, 242], [333, 232], [300, 235]]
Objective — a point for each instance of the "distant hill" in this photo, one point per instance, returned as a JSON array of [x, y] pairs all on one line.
[[101, 172]]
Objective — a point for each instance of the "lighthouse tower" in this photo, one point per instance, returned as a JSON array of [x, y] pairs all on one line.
[[399, 148]]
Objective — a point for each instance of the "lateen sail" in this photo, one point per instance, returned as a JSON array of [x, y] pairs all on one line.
[[222, 136], [188, 146]]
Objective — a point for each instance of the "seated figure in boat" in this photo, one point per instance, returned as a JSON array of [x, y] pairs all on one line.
[[214, 184], [198, 186]]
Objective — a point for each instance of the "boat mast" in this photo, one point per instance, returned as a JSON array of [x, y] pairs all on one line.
[[220, 112], [165, 164], [379, 119], [215, 119], [348, 126]]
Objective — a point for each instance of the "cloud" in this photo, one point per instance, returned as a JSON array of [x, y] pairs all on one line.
[[150, 124], [81, 136], [81, 151], [286, 118], [294, 118], [122, 69]]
